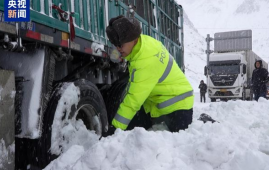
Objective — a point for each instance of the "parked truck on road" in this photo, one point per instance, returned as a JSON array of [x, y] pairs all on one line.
[[230, 66], [60, 68]]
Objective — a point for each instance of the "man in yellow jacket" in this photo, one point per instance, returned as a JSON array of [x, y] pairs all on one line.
[[155, 81]]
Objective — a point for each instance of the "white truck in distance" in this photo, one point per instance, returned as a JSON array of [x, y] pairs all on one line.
[[229, 68]]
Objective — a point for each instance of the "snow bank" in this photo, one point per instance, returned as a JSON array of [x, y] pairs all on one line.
[[238, 142]]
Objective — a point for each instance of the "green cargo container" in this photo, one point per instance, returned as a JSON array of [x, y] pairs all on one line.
[[92, 16], [65, 45]]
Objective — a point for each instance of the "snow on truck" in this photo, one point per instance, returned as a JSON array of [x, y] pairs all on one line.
[[229, 69], [60, 70]]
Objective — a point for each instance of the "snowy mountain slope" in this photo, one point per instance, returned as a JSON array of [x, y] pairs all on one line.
[[240, 141], [211, 16], [195, 57]]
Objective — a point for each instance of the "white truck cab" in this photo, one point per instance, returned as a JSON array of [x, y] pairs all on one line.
[[229, 68]]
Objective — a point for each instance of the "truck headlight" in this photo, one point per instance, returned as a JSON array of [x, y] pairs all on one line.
[[209, 91]]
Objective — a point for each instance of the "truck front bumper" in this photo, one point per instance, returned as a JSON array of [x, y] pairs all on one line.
[[225, 92]]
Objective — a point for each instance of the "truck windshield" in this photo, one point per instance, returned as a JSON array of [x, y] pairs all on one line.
[[224, 69]]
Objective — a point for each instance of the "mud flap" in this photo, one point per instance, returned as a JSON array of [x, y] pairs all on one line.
[[7, 112], [33, 71]]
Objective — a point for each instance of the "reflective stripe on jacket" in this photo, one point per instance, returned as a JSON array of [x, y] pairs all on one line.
[[156, 82]]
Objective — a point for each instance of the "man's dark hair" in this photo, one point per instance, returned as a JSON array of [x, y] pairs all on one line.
[[260, 61]]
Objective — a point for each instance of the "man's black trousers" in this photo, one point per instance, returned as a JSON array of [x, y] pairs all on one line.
[[178, 120], [202, 96]]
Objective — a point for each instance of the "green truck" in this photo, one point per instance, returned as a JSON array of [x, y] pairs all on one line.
[[60, 68]]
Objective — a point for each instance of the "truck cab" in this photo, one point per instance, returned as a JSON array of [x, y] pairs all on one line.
[[230, 66], [226, 77]]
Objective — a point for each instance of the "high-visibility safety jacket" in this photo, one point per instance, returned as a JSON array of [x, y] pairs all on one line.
[[156, 82]]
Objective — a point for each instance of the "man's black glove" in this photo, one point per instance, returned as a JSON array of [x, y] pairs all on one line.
[[109, 132], [205, 118]]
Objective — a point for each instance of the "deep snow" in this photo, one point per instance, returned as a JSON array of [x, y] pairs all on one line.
[[239, 142]]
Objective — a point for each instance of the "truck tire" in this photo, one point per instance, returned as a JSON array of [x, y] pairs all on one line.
[[224, 99], [90, 108], [251, 94], [213, 99], [113, 98], [244, 94]]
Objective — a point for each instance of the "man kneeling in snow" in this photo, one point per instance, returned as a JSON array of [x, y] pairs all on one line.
[[156, 81]]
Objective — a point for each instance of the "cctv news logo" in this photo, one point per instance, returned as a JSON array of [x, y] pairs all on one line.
[[17, 10]]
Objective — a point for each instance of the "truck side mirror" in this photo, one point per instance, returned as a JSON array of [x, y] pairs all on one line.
[[205, 71], [244, 69]]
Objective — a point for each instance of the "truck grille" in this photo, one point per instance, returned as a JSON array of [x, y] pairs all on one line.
[[228, 93], [223, 80]]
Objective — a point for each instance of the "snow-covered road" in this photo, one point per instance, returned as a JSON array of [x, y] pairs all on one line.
[[239, 142]]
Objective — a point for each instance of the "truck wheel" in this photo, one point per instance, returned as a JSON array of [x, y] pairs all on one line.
[[244, 94], [251, 95], [213, 99], [115, 95], [71, 106], [224, 99]]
